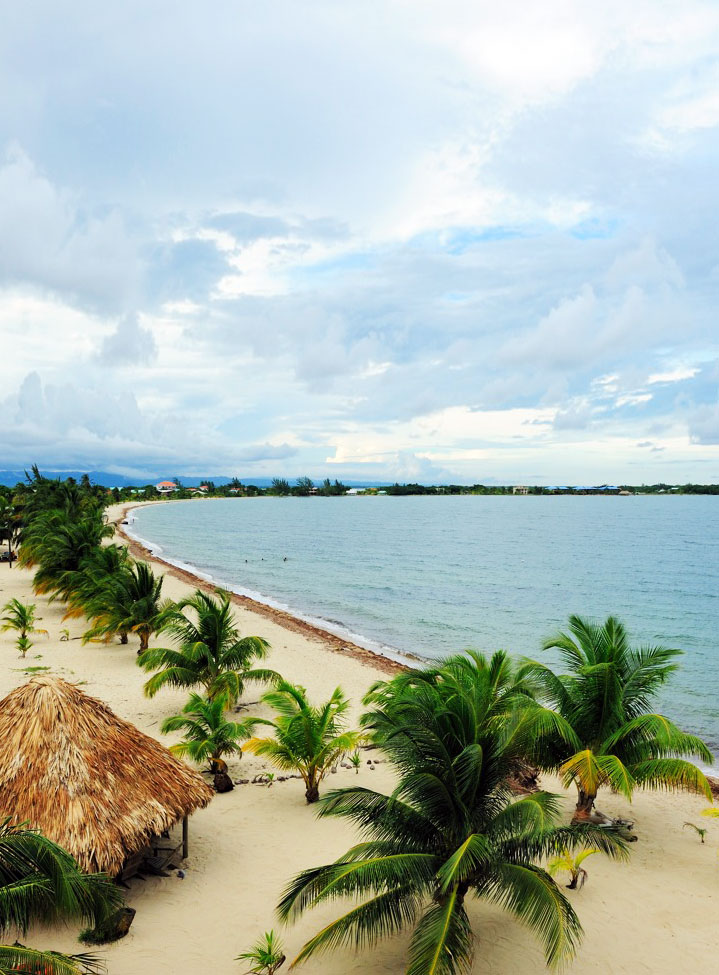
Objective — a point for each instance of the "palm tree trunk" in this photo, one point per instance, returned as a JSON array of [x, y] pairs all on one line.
[[584, 811], [123, 638], [144, 640], [312, 790]]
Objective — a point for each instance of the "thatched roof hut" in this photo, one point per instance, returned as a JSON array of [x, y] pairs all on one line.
[[89, 780]]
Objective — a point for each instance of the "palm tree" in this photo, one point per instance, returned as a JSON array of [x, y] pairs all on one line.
[[701, 833], [128, 601], [573, 866], [609, 737], [58, 544], [308, 739], [94, 575], [39, 881], [209, 736], [21, 617], [451, 829], [210, 654], [8, 526], [266, 955]]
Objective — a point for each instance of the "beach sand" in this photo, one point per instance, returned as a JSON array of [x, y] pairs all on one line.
[[655, 914]]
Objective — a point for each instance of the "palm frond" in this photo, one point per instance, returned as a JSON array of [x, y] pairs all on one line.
[[442, 942], [387, 913], [673, 775], [530, 894], [18, 960]]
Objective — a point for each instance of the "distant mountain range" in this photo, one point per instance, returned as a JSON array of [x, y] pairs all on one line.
[[105, 479]]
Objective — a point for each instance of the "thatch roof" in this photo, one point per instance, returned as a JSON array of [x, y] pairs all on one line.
[[89, 780]]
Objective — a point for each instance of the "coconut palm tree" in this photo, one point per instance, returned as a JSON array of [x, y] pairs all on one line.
[[96, 572], [8, 526], [266, 955], [450, 830], [39, 881], [21, 617], [211, 653], [209, 736], [58, 544], [128, 601], [609, 736], [307, 739], [573, 866]]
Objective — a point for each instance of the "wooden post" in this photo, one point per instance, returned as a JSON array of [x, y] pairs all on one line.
[[185, 839]]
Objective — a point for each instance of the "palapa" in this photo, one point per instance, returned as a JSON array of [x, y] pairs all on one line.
[[90, 781]]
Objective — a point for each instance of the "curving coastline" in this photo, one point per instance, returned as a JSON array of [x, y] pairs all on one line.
[[329, 641], [655, 913]]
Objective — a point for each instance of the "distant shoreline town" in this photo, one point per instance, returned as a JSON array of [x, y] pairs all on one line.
[[179, 489]]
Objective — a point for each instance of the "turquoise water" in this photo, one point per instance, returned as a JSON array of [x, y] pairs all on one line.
[[433, 575]]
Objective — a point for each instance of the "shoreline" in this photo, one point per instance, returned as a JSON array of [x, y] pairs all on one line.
[[656, 913], [330, 641]]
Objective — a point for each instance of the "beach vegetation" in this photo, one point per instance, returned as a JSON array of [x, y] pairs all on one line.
[[20, 617], [266, 955], [451, 829], [572, 865], [95, 574], [210, 652], [8, 526], [56, 544], [40, 882], [307, 739], [332, 489], [304, 487], [605, 734], [356, 761], [701, 832], [208, 736], [128, 601], [281, 487]]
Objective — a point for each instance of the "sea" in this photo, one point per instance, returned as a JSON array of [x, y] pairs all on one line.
[[431, 576]]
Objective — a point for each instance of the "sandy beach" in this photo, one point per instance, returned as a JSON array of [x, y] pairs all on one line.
[[655, 914]]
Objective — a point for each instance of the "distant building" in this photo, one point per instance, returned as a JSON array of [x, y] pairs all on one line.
[[354, 491], [166, 487], [520, 489]]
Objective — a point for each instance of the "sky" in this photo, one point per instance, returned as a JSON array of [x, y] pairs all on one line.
[[372, 240]]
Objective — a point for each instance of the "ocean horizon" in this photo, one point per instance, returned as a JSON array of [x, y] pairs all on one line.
[[425, 577]]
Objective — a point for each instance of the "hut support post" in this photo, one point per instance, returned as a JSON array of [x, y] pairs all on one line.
[[185, 838]]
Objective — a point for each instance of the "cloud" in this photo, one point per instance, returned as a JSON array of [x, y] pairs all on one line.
[[49, 240], [481, 251], [704, 425], [129, 344]]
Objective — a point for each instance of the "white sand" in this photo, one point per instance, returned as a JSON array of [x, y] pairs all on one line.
[[656, 914]]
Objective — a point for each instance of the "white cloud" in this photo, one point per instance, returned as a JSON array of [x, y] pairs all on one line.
[[673, 375], [475, 241]]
